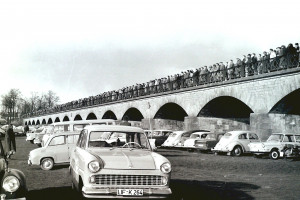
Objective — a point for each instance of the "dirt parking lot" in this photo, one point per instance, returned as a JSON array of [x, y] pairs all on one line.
[[194, 176]]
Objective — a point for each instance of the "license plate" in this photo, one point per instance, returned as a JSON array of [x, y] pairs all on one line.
[[130, 192]]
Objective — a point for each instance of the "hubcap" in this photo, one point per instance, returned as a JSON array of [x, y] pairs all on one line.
[[47, 164]]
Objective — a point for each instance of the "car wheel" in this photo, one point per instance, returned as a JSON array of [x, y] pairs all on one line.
[[237, 151], [274, 154], [31, 141], [47, 164], [39, 145]]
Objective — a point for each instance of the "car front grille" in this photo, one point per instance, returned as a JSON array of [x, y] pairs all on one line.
[[143, 180]]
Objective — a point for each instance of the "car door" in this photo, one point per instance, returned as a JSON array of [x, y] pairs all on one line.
[[59, 148], [79, 151], [71, 142], [244, 141], [252, 138]]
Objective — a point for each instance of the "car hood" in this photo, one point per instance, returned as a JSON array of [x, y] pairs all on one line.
[[125, 158]]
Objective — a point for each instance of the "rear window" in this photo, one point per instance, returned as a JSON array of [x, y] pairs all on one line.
[[227, 135]]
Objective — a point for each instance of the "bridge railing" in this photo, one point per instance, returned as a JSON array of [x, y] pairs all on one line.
[[237, 71]]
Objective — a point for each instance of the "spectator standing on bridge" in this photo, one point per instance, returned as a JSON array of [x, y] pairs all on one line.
[[272, 60], [297, 54], [243, 67], [10, 141], [254, 64]]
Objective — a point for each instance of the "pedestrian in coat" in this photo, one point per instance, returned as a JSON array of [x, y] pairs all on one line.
[[10, 141]]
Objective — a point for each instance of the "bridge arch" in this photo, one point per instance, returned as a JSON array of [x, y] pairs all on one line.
[[29, 123], [66, 118], [33, 122], [91, 116], [38, 122], [57, 119], [226, 107], [25, 123], [77, 117], [289, 104], [171, 111], [44, 121], [49, 121], [133, 114], [109, 115]]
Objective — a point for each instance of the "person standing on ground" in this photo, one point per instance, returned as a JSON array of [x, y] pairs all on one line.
[[10, 141]]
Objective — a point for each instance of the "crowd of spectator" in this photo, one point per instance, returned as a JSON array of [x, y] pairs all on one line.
[[250, 65]]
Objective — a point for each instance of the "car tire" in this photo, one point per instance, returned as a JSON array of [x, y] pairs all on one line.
[[47, 163], [237, 151], [39, 145], [274, 154], [31, 141]]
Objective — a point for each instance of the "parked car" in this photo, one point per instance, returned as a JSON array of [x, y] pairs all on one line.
[[173, 139], [13, 182], [38, 139], [209, 142], [122, 170], [56, 151], [160, 136], [74, 126], [235, 143], [186, 135], [18, 130], [190, 142], [274, 145], [30, 136]]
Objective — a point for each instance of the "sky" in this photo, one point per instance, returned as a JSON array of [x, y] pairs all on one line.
[[80, 48]]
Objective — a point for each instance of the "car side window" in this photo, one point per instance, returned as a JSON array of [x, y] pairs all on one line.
[[80, 138], [72, 139], [84, 138], [59, 140], [243, 136], [253, 136], [288, 138]]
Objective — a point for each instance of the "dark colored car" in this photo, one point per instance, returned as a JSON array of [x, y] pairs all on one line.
[[209, 142], [187, 135], [160, 136], [13, 183]]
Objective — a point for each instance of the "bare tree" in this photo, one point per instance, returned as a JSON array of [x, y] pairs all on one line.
[[51, 99], [9, 103]]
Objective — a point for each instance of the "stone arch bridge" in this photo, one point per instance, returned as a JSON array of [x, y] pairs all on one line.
[[263, 103]]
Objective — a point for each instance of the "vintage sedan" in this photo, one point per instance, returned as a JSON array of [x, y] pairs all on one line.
[[158, 136], [235, 143], [13, 182], [186, 135], [30, 136], [209, 142], [190, 142], [121, 170], [173, 139], [56, 150], [274, 145]]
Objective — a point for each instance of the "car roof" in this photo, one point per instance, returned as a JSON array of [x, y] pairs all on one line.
[[285, 134], [114, 128], [67, 133], [158, 130], [239, 131]]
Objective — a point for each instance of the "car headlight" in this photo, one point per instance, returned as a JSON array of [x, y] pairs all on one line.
[[165, 168], [11, 184], [94, 166]]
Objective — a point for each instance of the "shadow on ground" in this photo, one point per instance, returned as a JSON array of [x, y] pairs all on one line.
[[182, 190]]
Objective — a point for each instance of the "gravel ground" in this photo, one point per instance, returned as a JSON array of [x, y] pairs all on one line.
[[194, 176]]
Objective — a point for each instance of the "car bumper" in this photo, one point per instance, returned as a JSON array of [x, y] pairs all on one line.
[[106, 192], [3, 197]]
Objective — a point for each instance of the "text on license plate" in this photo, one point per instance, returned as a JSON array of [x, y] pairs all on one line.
[[130, 192]]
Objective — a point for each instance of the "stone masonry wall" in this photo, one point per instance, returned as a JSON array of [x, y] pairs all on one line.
[[265, 124], [217, 125], [162, 124]]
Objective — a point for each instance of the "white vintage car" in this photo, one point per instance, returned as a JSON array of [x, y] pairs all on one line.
[[120, 169], [274, 145], [173, 139], [190, 142], [235, 143], [56, 150]]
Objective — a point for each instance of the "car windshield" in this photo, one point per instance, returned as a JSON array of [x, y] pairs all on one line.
[[172, 134], [275, 137], [130, 140]]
